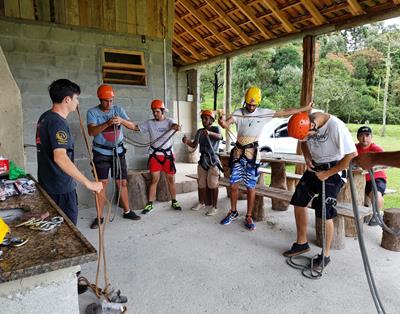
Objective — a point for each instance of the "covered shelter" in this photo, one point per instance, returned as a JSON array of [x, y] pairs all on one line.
[[148, 49]]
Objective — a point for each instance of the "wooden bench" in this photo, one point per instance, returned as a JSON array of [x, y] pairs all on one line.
[[344, 210], [291, 178]]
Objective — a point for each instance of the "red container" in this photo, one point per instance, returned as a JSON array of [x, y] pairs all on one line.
[[4, 165]]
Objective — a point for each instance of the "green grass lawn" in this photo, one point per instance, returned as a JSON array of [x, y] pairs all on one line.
[[391, 141]]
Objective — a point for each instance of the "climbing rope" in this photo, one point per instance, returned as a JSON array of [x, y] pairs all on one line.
[[307, 266]]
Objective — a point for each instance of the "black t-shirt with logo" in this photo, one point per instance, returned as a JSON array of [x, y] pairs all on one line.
[[53, 132]]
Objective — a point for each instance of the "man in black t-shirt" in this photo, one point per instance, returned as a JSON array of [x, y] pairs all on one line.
[[55, 150]]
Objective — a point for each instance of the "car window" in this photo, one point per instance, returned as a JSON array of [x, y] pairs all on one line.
[[281, 131]]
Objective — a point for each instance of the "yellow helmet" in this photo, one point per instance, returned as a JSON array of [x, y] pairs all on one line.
[[3, 229], [253, 96]]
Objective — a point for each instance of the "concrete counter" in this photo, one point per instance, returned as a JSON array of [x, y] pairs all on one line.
[[31, 273]]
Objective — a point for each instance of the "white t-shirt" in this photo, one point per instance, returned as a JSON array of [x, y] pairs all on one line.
[[156, 129], [249, 129], [332, 142]]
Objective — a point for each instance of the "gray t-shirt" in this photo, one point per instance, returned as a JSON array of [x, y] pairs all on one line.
[[156, 129], [332, 142], [249, 129]]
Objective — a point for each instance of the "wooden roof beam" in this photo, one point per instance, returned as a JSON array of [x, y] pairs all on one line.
[[251, 16], [203, 19], [181, 55], [272, 5], [355, 7], [190, 48], [317, 16], [396, 1], [196, 36], [214, 5]]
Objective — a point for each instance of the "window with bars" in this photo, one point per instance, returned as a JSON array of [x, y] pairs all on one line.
[[123, 67]]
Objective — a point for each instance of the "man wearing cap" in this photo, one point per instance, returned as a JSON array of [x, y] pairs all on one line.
[[105, 122], [365, 145]]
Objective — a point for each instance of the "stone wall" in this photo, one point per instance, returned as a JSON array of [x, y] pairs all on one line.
[[39, 53]]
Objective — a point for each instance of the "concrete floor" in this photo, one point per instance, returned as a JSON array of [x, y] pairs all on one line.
[[186, 262]]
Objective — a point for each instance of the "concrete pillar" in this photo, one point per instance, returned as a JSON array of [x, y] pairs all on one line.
[[11, 132]]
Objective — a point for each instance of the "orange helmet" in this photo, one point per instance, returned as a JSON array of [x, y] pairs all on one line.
[[299, 125], [157, 104], [208, 113], [105, 92]]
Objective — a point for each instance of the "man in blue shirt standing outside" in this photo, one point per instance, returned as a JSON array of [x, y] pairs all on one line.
[[105, 123]]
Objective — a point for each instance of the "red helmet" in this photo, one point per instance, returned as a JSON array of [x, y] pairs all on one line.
[[208, 113], [299, 125], [105, 92], [157, 104]]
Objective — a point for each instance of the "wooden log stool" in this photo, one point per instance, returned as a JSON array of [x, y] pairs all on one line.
[[391, 217], [338, 242], [259, 210]]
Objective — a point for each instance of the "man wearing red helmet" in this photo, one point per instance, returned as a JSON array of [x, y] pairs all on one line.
[[327, 147], [105, 123], [209, 165], [161, 155]]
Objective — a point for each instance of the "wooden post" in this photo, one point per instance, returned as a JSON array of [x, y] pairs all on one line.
[[391, 217], [307, 86], [137, 189], [259, 211], [278, 180], [344, 196], [338, 241], [227, 98]]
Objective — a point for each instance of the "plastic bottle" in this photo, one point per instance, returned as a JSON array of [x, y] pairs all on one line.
[[4, 164], [112, 308]]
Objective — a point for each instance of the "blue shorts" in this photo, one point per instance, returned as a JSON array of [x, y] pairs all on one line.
[[380, 185], [244, 171], [68, 202]]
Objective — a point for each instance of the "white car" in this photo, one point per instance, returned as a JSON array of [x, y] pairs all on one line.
[[275, 138]]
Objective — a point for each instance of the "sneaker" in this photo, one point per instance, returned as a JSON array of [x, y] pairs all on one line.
[[148, 208], [317, 262], [131, 215], [175, 205], [297, 249], [198, 206], [230, 217], [95, 223], [249, 224], [212, 211]]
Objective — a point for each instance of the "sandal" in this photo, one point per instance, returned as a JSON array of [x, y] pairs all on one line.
[[14, 242]]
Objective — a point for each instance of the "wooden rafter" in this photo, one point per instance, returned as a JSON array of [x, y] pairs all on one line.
[[190, 48], [203, 19], [182, 55], [396, 1], [214, 5], [273, 6], [251, 16], [355, 7], [318, 18], [196, 36]]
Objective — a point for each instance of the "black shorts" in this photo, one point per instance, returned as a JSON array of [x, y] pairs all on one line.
[[68, 202], [104, 163], [310, 188], [380, 185]]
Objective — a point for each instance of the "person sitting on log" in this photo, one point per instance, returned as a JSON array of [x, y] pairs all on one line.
[[244, 159], [369, 160], [209, 165], [105, 122], [328, 148], [365, 145], [161, 155]]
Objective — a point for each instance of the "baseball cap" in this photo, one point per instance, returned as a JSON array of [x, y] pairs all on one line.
[[364, 129]]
